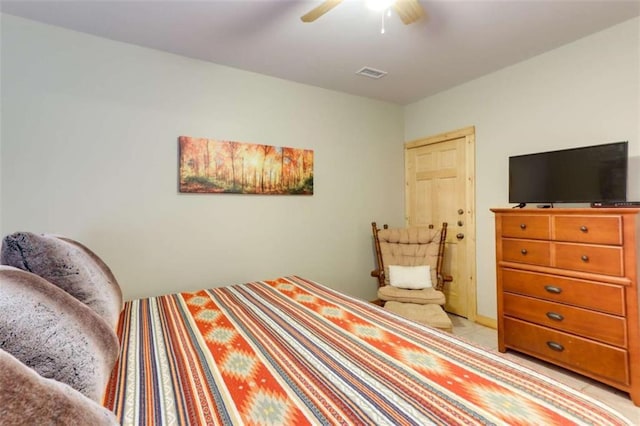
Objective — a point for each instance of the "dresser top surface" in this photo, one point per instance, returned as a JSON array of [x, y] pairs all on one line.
[[569, 211]]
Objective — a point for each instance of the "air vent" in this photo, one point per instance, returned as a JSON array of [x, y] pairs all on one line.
[[371, 72]]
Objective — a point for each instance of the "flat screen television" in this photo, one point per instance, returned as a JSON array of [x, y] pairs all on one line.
[[578, 175]]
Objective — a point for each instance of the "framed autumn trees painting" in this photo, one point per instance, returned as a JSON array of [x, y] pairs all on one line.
[[213, 166]]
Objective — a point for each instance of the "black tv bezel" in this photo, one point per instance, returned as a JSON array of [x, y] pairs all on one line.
[[625, 144]]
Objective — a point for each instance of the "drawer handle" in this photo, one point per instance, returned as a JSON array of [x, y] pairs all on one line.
[[584, 229], [554, 316], [555, 346], [553, 289], [523, 251], [584, 258], [523, 226]]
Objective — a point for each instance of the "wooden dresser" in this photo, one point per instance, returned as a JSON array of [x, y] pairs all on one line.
[[567, 286]]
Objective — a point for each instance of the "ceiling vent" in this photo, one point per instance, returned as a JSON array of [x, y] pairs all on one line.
[[371, 72]]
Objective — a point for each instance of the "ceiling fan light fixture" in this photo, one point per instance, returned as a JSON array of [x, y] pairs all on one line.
[[379, 5], [409, 11]]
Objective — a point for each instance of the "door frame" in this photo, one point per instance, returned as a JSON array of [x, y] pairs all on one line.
[[469, 134]]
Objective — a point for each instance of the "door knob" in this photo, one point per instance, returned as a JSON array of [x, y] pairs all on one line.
[[460, 211], [460, 236]]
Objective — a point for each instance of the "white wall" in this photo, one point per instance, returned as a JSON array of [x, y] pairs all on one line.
[[89, 150], [584, 93]]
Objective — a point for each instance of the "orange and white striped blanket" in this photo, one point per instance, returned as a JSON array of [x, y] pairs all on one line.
[[293, 352]]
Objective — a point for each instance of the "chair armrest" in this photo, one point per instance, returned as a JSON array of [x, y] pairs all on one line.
[[445, 278], [379, 274]]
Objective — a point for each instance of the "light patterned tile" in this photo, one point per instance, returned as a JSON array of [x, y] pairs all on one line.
[[615, 399], [487, 338]]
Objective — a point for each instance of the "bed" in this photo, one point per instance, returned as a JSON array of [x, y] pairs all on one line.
[[287, 351], [291, 351]]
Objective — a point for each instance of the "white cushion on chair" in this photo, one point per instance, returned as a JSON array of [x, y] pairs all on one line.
[[411, 277]]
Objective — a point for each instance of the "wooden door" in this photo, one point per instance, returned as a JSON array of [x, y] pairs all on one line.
[[439, 173]]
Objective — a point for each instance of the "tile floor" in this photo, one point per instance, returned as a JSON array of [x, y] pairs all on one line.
[[488, 337]]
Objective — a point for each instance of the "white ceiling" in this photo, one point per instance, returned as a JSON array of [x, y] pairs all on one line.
[[459, 40]]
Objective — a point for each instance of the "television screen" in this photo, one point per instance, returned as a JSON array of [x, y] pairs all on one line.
[[578, 175]]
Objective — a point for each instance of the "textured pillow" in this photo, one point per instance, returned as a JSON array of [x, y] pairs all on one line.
[[411, 277], [26, 398], [55, 334], [69, 265]]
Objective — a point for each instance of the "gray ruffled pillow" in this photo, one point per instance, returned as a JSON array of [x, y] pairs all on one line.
[[69, 265], [26, 398], [55, 334]]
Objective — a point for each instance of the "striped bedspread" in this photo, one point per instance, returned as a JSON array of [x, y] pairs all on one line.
[[292, 352]]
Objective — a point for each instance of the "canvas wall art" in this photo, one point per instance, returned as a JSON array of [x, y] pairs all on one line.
[[216, 166]]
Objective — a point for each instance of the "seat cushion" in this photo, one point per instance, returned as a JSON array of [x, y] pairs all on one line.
[[410, 247], [432, 315], [421, 297]]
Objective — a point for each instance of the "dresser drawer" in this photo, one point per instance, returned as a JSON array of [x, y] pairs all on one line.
[[606, 260], [526, 251], [523, 226], [591, 324], [588, 229], [582, 355], [586, 294]]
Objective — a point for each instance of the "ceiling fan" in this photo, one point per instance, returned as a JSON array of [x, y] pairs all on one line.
[[409, 11]]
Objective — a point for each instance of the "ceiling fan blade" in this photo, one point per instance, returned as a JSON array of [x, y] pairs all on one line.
[[314, 14], [409, 11]]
